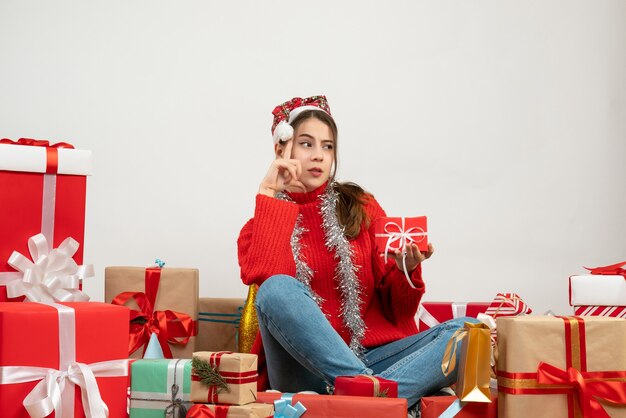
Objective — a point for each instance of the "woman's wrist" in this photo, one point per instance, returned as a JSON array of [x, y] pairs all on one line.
[[267, 191]]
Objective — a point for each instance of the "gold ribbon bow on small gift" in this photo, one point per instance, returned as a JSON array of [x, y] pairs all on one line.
[[474, 362]]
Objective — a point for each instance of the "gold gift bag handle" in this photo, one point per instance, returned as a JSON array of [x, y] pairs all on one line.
[[248, 325]]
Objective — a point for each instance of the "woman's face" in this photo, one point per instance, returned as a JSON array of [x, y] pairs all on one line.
[[313, 145]]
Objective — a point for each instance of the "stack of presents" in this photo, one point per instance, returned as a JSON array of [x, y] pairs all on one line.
[[155, 349]]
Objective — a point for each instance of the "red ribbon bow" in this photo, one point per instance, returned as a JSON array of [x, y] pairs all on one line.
[[587, 385], [613, 269], [203, 411], [36, 143], [171, 327]]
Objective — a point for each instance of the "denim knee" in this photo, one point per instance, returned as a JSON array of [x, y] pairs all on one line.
[[274, 289], [460, 322]]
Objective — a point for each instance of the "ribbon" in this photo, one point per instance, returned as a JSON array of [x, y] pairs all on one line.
[[397, 233], [52, 155], [203, 411], [52, 276], [284, 409], [218, 380], [610, 386], [448, 362], [454, 408], [377, 393], [174, 404], [171, 327], [613, 269], [55, 390]]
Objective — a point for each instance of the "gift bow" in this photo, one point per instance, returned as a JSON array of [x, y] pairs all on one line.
[[613, 269], [284, 409], [587, 390], [52, 276], [171, 327], [177, 407], [46, 395], [396, 233], [203, 411]]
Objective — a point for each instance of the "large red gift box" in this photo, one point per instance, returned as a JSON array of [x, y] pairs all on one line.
[[434, 406], [43, 191], [363, 385], [394, 233], [40, 342], [430, 314], [323, 406]]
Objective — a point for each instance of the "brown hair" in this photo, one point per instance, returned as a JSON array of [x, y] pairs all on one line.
[[351, 204]]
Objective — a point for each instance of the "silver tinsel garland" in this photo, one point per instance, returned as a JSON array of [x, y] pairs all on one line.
[[345, 272]]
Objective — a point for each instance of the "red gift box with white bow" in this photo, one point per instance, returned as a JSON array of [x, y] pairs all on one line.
[[430, 314], [63, 360], [43, 191], [395, 233]]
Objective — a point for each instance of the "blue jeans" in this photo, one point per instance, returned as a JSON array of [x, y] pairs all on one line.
[[304, 352]]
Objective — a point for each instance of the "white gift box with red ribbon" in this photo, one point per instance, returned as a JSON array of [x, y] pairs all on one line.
[[597, 290]]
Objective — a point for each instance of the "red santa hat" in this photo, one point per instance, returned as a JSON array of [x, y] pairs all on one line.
[[285, 113]]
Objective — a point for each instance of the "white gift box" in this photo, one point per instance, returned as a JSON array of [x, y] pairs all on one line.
[[597, 290]]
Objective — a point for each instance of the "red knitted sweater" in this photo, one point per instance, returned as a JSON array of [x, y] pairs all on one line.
[[389, 303]]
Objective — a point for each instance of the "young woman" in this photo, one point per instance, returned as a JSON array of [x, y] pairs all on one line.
[[328, 305]]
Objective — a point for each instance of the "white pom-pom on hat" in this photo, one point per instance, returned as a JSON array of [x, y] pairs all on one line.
[[282, 132]]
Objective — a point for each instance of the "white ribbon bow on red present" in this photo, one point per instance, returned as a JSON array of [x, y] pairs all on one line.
[[51, 276], [401, 236], [55, 390]]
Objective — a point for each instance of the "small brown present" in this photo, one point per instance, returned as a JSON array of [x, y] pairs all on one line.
[[224, 377], [218, 321]]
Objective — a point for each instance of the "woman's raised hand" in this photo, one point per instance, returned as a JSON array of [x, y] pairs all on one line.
[[413, 257], [283, 174]]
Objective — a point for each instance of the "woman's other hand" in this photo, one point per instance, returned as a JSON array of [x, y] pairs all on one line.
[[283, 174], [413, 257]]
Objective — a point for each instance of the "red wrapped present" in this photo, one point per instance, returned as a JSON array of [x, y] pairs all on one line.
[[430, 314], [336, 406], [451, 406], [612, 311], [394, 233], [43, 191], [63, 360], [365, 385]]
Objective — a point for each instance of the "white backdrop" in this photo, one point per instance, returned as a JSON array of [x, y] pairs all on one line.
[[503, 121]]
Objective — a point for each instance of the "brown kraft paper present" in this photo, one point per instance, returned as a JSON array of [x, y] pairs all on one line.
[[218, 323], [560, 366], [175, 289], [223, 377]]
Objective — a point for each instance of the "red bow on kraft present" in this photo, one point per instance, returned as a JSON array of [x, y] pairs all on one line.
[[52, 155], [574, 382], [613, 269], [171, 327]]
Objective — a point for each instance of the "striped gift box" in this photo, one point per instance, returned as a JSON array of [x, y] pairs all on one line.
[[507, 304], [612, 311]]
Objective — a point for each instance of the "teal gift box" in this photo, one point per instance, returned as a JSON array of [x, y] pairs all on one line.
[[160, 387]]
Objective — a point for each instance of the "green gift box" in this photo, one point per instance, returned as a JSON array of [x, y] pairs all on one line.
[[160, 387]]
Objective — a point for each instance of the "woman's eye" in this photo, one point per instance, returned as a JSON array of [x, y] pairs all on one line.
[[328, 146], [305, 144]]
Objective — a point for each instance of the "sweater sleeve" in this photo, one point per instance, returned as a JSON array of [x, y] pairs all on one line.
[[264, 244], [398, 298]]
